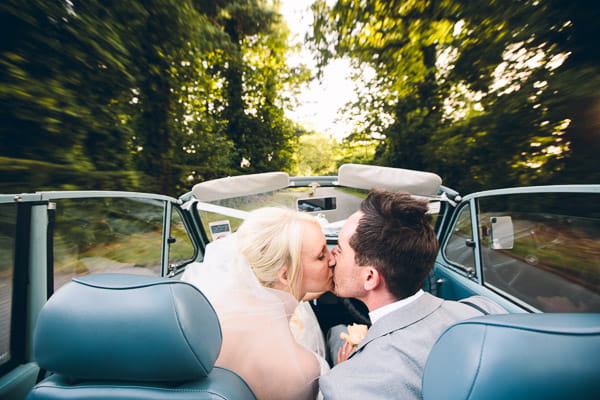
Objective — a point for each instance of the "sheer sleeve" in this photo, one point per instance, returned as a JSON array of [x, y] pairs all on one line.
[[257, 340], [307, 331]]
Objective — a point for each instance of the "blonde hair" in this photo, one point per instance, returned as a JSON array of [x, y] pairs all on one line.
[[270, 238]]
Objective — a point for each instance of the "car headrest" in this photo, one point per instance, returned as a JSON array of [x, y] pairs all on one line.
[[128, 328], [516, 356]]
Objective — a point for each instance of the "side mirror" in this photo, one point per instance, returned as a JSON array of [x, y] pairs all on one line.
[[502, 233], [316, 204]]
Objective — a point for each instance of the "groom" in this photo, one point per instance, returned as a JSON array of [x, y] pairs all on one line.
[[384, 253]]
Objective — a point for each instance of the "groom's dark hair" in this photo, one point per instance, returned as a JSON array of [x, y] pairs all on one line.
[[395, 235]]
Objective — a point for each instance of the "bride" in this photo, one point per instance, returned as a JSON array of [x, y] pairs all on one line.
[[255, 279]]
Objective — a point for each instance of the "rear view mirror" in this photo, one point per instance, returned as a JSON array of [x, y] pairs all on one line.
[[316, 204], [502, 233]]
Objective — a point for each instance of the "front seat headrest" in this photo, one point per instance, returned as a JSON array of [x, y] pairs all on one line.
[[128, 328], [516, 356]]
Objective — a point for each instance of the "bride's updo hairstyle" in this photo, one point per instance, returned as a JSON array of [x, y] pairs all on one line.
[[271, 238]]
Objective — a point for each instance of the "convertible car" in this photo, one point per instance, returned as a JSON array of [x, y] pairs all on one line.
[[533, 250]]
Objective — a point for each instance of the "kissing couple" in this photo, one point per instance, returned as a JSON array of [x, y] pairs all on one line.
[[260, 278]]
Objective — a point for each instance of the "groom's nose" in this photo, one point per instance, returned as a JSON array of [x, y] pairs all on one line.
[[333, 256], [331, 259], [335, 250]]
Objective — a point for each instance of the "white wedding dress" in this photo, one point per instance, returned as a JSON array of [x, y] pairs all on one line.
[[271, 341]]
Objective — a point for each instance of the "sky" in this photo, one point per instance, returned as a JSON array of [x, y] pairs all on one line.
[[319, 103]]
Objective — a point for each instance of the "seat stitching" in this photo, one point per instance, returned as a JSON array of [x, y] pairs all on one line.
[[181, 330], [482, 346]]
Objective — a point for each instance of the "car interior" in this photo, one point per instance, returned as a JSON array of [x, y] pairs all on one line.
[[92, 305], [135, 337]]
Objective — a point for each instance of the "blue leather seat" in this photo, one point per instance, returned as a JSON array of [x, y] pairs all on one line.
[[516, 356], [110, 336]]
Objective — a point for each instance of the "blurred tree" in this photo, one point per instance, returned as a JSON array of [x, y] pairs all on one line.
[[536, 57], [485, 93], [316, 155], [353, 150], [146, 89], [60, 89], [165, 38], [256, 74], [100, 70], [398, 41]]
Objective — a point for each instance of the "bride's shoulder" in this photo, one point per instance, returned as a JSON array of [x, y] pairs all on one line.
[[220, 249], [191, 272]]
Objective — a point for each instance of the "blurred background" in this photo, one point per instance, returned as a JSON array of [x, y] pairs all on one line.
[[156, 95]]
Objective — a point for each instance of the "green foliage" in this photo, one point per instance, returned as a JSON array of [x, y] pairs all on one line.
[[398, 41], [155, 95], [319, 154], [316, 155], [256, 73], [355, 150], [159, 92], [21, 175], [485, 93]]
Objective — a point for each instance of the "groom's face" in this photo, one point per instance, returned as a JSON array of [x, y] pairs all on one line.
[[347, 274]]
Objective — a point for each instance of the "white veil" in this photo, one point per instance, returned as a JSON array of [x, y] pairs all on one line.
[[257, 341]]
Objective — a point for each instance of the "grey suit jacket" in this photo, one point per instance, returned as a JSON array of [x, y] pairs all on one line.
[[388, 363]]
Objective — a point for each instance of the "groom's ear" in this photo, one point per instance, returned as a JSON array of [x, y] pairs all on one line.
[[372, 278]]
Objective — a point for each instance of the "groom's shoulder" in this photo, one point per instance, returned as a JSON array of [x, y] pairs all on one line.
[[352, 379], [371, 375], [474, 306]]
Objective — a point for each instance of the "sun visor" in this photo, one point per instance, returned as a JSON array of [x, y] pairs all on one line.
[[392, 179], [242, 185]]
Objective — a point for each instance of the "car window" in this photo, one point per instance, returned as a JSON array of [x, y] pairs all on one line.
[[457, 249], [435, 208], [93, 235], [181, 248], [543, 249], [8, 217]]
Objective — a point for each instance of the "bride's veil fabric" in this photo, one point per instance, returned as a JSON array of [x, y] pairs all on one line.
[[257, 341]]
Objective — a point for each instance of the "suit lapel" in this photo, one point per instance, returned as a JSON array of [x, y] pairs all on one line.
[[400, 319]]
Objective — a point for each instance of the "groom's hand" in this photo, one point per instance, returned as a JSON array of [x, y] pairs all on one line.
[[344, 351]]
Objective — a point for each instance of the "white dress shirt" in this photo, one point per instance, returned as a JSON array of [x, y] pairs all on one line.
[[381, 311]]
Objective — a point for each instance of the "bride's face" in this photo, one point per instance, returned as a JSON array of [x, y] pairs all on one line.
[[316, 260]]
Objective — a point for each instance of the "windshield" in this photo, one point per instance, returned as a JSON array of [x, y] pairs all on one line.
[[223, 203], [216, 220]]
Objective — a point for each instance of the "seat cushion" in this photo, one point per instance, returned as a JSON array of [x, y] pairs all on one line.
[[516, 356], [220, 384]]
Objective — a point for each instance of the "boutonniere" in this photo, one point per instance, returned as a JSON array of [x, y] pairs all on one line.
[[355, 334]]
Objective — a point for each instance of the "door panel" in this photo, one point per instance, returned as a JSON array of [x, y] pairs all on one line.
[[17, 376], [16, 384], [552, 258], [47, 238], [535, 249]]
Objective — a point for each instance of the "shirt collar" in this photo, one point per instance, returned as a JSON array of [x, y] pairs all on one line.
[[381, 311]]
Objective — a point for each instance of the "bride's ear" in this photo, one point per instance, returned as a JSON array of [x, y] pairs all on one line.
[[282, 276]]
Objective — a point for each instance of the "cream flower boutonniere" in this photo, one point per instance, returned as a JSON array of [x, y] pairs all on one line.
[[355, 335]]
